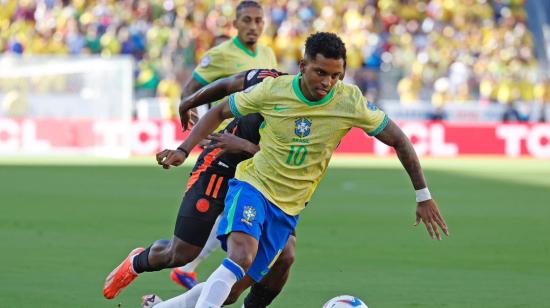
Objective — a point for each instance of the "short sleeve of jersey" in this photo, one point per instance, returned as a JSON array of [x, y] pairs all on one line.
[[210, 68], [250, 100], [369, 117]]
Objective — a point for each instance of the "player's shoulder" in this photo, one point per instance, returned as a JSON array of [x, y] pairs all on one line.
[[214, 55], [220, 49], [350, 98], [348, 88], [348, 91]]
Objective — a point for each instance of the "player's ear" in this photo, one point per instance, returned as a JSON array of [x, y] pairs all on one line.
[[302, 66]]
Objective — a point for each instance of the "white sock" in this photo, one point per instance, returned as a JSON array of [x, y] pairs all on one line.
[[219, 285], [186, 300], [209, 247]]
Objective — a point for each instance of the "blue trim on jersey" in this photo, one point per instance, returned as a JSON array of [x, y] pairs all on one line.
[[199, 79], [380, 127], [233, 106], [234, 268]]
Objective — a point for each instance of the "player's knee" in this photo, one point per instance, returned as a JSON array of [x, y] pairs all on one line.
[[285, 260], [242, 249], [287, 257], [243, 259]]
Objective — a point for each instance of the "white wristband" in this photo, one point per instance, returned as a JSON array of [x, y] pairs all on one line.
[[423, 195]]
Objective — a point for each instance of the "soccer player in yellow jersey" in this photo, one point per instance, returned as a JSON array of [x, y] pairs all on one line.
[[241, 53], [305, 116]]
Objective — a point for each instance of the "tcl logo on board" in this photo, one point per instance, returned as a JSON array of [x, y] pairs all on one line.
[[55, 136]]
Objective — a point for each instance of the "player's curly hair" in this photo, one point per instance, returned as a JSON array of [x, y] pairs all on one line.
[[326, 43], [246, 4]]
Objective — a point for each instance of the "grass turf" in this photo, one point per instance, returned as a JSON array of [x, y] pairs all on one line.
[[64, 227]]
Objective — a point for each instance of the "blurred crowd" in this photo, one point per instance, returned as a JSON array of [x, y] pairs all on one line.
[[438, 51]]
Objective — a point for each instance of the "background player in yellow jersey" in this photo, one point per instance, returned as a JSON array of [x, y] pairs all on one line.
[[305, 118], [240, 53]]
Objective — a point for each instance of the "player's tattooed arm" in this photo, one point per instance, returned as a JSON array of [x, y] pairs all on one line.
[[427, 210], [393, 136], [210, 93]]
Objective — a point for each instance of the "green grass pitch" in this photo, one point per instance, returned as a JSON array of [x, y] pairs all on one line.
[[65, 225]]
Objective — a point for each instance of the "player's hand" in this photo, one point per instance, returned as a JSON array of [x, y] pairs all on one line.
[[167, 158], [428, 213], [188, 117], [229, 143], [203, 143]]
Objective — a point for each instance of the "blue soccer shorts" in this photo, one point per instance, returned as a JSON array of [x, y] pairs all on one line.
[[248, 211]]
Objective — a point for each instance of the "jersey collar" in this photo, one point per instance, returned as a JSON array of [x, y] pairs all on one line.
[[241, 46], [298, 92]]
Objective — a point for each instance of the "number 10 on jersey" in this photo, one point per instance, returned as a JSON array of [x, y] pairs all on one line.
[[296, 155]]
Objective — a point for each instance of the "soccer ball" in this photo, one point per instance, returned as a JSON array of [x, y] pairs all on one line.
[[345, 301]]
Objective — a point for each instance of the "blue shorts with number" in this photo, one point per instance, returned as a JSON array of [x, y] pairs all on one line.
[[248, 211]]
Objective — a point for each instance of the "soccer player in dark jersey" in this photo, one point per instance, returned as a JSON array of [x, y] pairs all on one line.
[[204, 200]]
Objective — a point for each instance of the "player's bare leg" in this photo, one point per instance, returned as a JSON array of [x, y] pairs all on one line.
[[263, 293], [166, 254], [185, 275]]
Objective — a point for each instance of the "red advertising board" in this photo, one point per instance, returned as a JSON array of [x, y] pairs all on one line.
[[52, 136]]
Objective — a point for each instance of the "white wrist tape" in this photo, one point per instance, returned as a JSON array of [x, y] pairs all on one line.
[[423, 195]]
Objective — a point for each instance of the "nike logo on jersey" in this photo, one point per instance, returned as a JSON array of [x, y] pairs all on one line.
[[280, 108]]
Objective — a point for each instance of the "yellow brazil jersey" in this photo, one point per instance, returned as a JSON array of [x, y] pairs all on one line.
[[229, 58], [298, 136], [232, 57]]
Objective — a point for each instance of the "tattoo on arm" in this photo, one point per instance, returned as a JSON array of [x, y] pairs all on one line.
[[393, 136]]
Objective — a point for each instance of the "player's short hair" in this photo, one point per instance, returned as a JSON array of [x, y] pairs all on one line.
[[247, 4], [326, 43]]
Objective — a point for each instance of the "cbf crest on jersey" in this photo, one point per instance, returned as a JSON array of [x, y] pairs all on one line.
[[205, 61], [249, 214], [302, 127]]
